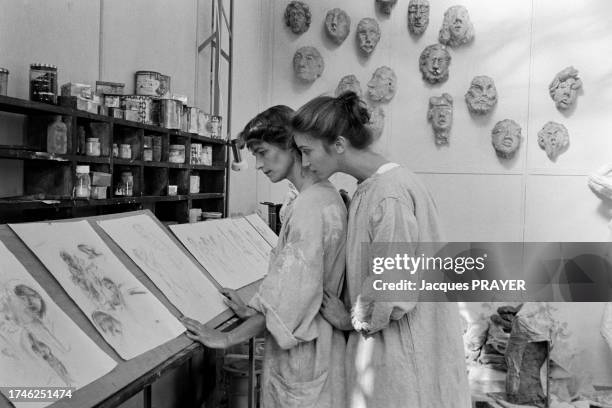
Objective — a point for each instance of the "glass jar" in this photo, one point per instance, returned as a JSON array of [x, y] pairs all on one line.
[[82, 188], [3, 80], [176, 153], [127, 181], [125, 151], [93, 147], [43, 83], [115, 150], [57, 136]]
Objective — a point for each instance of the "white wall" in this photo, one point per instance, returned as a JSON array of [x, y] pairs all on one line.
[[521, 45]]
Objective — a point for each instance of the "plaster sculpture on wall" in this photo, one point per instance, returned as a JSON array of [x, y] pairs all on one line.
[[297, 17], [418, 16], [434, 63], [554, 139], [337, 25], [457, 28], [383, 84], [564, 88], [482, 95], [600, 183], [308, 64], [506, 138], [368, 35], [385, 6], [349, 83], [440, 114], [377, 122]]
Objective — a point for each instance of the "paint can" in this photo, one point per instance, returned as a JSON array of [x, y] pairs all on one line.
[[193, 113], [142, 104], [194, 184], [151, 83], [171, 113], [176, 153], [4, 73]]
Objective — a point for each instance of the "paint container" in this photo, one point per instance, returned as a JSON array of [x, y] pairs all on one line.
[[112, 88], [171, 113], [157, 148], [206, 155], [176, 153], [214, 126], [202, 121], [98, 192], [92, 147], [43, 83], [142, 104], [192, 113], [126, 186], [151, 83], [116, 113], [82, 188], [195, 215], [185, 119], [194, 184], [115, 150], [125, 151], [112, 101], [196, 153], [172, 189], [131, 115], [211, 215], [4, 73]]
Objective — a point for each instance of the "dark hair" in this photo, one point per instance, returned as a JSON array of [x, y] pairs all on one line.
[[327, 118], [270, 126]]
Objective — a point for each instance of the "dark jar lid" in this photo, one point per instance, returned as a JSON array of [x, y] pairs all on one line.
[[43, 66], [4, 70]]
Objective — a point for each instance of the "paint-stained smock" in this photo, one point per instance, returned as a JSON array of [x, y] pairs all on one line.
[[413, 356], [304, 354]]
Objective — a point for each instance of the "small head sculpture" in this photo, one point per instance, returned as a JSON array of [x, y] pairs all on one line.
[[337, 25], [368, 35], [308, 64], [297, 17], [457, 28], [440, 114], [349, 83], [434, 63], [385, 6], [482, 95], [564, 88], [383, 84], [377, 122], [506, 138], [418, 16], [553, 139]]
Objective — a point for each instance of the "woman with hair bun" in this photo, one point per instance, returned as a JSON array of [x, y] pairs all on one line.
[[304, 354], [400, 352]]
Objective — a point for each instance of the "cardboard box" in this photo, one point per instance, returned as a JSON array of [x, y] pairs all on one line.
[[84, 91], [113, 88], [101, 179], [98, 192]]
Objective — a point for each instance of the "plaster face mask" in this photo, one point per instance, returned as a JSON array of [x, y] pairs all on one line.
[[418, 16], [297, 17], [337, 25], [440, 115], [434, 62], [564, 88], [349, 83], [385, 6], [553, 139], [383, 84], [506, 138], [368, 35], [308, 64], [482, 95], [377, 122], [457, 29]]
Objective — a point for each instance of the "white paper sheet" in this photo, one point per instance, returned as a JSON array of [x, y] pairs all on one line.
[[225, 253], [127, 315], [176, 276], [40, 346], [264, 230], [249, 232]]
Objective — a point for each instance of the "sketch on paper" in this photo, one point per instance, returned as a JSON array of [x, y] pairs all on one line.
[[170, 269], [225, 253], [263, 229], [130, 318], [261, 245], [40, 346]]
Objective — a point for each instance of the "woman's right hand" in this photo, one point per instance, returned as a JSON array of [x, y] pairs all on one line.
[[335, 313], [233, 300]]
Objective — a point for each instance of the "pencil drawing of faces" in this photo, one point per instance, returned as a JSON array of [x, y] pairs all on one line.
[[564, 88], [440, 114], [368, 35], [383, 84], [376, 125], [506, 138], [434, 63], [553, 139], [107, 323], [297, 17], [337, 25], [349, 83], [32, 301], [457, 29], [308, 64], [385, 6], [482, 95], [418, 16]]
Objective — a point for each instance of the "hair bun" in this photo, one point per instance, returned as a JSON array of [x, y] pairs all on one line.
[[355, 106]]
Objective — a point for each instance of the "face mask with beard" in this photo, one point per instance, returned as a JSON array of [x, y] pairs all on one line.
[[482, 95]]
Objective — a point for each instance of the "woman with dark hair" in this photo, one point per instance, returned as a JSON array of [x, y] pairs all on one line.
[[399, 353], [304, 354]]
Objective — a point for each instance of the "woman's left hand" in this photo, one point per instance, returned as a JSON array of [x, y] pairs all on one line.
[[211, 338]]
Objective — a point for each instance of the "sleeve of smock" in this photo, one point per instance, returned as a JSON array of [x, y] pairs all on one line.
[[393, 221], [291, 293]]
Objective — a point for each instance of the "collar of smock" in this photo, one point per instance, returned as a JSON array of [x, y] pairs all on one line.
[[381, 170]]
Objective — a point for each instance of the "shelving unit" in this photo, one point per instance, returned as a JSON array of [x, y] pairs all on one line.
[[49, 178]]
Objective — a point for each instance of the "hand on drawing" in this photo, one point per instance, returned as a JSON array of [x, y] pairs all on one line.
[[233, 300], [209, 337], [335, 313]]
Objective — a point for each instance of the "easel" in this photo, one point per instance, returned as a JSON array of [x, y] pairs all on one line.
[[135, 375]]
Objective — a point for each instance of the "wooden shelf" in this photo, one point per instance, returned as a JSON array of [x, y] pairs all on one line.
[[127, 162], [206, 196], [22, 154]]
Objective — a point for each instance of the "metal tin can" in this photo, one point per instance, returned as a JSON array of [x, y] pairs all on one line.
[[4, 73], [43, 83], [196, 153], [171, 112], [214, 126], [142, 104], [151, 83], [193, 119], [185, 118], [112, 101], [194, 184], [176, 153], [202, 121], [104, 88]]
